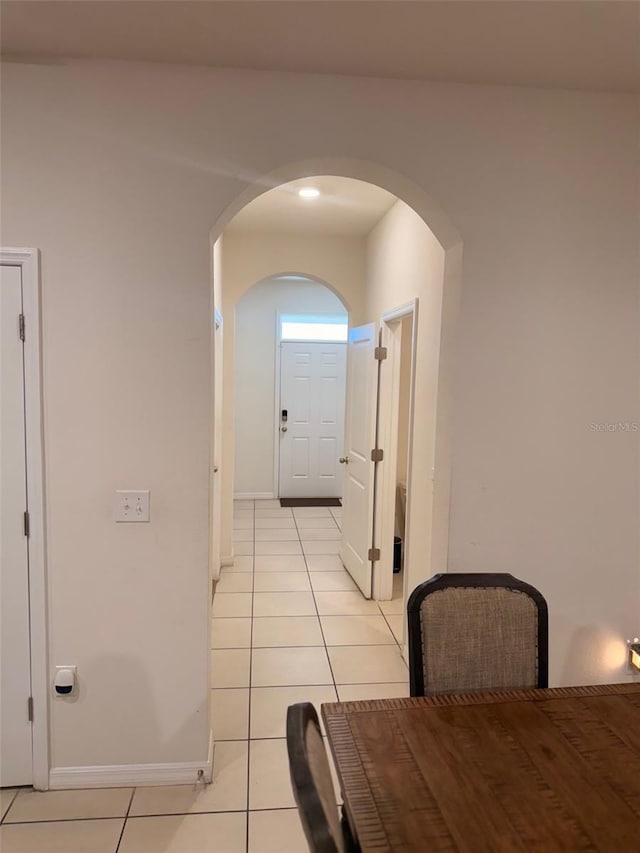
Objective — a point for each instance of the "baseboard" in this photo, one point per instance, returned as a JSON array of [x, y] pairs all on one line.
[[131, 775], [226, 561], [254, 496]]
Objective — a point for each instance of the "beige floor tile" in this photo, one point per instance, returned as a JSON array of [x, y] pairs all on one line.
[[240, 564], [332, 581], [367, 664], [6, 798], [269, 781], [195, 833], [344, 604], [273, 631], [324, 563], [268, 503], [392, 608], [317, 535], [357, 692], [278, 831], [235, 582], [310, 522], [369, 630], [276, 534], [274, 512], [230, 668], [282, 522], [322, 547], [283, 604], [227, 792], [72, 836], [264, 549], [69, 805], [289, 666], [311, 512], [231, 633], [230, 713], [269, 706], [282, 582], [243, 513], [231, 605], [242, 504], [245, 535], [396, 623], [243, 523], [243, 549], [281, 563]]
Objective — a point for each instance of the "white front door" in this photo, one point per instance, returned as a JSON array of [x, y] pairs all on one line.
[[15, 657], [311, 419], [360, 438]]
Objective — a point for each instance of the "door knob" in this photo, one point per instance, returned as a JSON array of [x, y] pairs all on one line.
[[344, 460], [284, 429], [215, 469]]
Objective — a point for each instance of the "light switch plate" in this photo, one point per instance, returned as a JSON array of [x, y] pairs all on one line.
[[132, 505]]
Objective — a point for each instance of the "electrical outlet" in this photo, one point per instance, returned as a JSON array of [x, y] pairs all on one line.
[[132, 506]]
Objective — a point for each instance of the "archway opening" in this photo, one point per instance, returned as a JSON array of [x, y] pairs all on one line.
[[409, 253]]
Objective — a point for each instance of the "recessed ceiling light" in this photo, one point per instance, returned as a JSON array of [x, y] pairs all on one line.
[[308, 192]]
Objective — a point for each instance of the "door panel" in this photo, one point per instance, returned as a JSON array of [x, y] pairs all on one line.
[[360, 434], [312, 388], [15, 655]]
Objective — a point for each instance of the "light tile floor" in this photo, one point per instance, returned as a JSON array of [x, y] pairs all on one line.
[[289, 626]]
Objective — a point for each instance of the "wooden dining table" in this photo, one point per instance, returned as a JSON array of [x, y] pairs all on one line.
[[527, 770]]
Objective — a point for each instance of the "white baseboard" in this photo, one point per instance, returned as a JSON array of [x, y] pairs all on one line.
[[254, 496], [131, 775], [226, 561]]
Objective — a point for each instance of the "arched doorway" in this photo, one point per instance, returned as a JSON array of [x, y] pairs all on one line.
[[430, 482]]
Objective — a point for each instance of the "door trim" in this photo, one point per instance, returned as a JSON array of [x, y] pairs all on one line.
[[29, 262], [388, 425]]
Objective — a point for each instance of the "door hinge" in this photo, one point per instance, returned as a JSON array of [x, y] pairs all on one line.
[[380, 353], [26, 524], [373, 554], [21, 326], [377, 454], [30, 709]]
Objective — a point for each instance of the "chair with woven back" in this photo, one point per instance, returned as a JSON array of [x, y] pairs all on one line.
[[312, 784], [472, 632]]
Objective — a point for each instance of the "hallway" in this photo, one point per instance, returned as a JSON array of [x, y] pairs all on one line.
[[289, 626]]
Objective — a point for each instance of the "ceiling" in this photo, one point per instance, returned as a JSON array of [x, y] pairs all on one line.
[[344, 207], [571, 44]]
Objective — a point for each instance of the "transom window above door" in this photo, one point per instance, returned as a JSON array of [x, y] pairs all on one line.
[[313, 327]]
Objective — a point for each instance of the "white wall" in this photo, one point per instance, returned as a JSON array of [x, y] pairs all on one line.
[[255, 374], [249, 257], [117, 172]]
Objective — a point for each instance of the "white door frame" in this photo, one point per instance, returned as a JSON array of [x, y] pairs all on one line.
[[29, 262], [390, 324]]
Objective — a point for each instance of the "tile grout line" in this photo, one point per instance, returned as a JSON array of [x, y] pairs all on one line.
[[126, 818]]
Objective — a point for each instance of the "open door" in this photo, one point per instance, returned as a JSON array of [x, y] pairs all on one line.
[[360, 440]]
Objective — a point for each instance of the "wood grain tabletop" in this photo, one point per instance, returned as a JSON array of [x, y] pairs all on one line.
[[528, 770]]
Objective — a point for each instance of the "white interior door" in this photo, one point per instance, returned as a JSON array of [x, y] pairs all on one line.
[[312, 390], [15, 658], [360, 436], [216, 456]]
